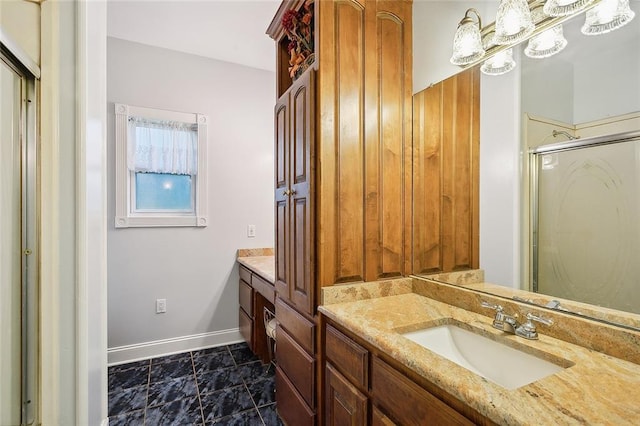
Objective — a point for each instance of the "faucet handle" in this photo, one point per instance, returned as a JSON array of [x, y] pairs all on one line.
[[486, 304], [528, 329], [533, 317]]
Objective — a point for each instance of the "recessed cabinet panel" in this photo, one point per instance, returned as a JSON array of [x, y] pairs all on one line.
[[294, 213], [446, 175], [344, 404]]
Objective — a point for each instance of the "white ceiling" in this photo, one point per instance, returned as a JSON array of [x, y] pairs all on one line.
[[228, 30]]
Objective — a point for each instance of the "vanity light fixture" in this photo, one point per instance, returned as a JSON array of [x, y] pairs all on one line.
[[564, 7], [500, 63], [513, 22], [467, 43], [548, 42], [607, 16]]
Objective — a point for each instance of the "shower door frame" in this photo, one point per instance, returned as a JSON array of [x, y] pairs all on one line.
[[535, 156], [29, 335]]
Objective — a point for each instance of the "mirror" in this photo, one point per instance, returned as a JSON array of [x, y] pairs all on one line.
[[590, 89]]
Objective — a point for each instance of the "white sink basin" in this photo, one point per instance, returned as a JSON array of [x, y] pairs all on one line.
[[501, 364]]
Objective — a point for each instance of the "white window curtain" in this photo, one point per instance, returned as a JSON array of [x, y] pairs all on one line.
[[161, 146]]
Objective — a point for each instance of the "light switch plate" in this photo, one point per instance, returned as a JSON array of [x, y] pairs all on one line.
[[251, 231]]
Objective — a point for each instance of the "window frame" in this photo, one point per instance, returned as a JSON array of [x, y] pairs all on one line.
[[126, 215]]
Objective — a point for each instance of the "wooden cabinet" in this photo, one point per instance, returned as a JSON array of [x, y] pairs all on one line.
[[342, 165], [446, 144], [358, 381], [294, 207], [344, 403], [254, 294]]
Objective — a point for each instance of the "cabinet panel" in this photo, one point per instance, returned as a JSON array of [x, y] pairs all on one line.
[[281, 196], [264, 288], [446, 175], [294, 210], [246, 327], [341, 145], [351, 358], [297, 365], [302, 217], [407, 402], [300, 328], [344, 404], [291, 407], [246, 297], [388, 142], [379, 419], [244, 273]]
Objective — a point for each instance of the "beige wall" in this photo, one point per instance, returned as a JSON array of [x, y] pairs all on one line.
[[20, 23]]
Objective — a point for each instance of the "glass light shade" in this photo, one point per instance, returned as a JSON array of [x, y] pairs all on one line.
[[607, 16], [564, 7], [500, 63], [547, 43], [513, 21], [467, 43]]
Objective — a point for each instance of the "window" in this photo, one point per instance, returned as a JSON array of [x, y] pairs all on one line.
[[160, 168]]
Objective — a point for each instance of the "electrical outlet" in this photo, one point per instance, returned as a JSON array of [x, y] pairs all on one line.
[[251, 231], [161, 306]]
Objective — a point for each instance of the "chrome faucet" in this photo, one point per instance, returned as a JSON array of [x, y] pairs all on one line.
[[502, 321], [509, 323], [528, 329]]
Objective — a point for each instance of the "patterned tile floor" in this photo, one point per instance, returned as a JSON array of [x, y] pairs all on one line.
[[226, 385]]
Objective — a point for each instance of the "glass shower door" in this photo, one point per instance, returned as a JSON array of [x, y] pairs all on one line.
[[10, 246], [18, 246]]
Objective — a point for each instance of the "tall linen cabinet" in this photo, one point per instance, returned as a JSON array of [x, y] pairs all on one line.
[[343, 176]]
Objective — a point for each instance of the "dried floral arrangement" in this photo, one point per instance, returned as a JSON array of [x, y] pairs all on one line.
[[298, 26]]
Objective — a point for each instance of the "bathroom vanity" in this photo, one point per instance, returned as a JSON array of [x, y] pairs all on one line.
[[370, 366]]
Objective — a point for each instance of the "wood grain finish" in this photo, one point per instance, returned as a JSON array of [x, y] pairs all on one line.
[[349, 357], [344, 403], [246, 297], [364, 140], [407, 402], [294, 210], [446, 133], [246, 327], [264, 288], [379, 419], [291, 407], [298, 366], [299, 327]]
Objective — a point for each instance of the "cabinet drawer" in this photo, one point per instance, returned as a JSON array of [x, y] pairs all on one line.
[[291, 407], [245, 274], [264, 287], [246, 327], [379, 419], [344, 404], [298, 327], [298, 365], [349, 357], [407, 402], [246, 297]]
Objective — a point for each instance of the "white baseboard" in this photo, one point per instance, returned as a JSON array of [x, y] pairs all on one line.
[[105, 422], [130, 353]]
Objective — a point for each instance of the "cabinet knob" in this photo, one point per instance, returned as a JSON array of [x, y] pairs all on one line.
[[292, 192], [286, 192]]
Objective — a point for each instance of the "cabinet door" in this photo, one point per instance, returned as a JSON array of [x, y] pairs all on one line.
[[446, 144], [301, 255], [344, 404], [281, 137], [294, 210]]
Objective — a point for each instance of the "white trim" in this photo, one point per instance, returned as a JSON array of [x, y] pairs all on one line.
[[125, 216], [22, 56], [139, 351]]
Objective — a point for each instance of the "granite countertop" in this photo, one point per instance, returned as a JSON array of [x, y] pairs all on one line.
[[594, 388], [260, 261]]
